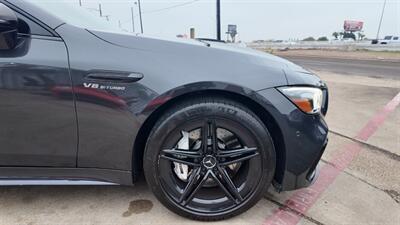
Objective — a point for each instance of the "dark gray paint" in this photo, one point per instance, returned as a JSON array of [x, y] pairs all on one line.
[[78, 174], [110, 120], [303, 135], [38, 127]]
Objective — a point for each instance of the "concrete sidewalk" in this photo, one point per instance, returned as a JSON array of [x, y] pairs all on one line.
[[366, 192]]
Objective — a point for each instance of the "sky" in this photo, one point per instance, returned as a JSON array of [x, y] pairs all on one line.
[[256, 19]]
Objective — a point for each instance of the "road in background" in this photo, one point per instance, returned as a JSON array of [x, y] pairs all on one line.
[[370, 68], [327, 45]]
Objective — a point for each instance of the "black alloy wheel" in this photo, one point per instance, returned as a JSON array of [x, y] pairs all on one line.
[[209, 159]]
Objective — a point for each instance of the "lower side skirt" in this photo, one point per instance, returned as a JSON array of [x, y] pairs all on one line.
[[12, 176]]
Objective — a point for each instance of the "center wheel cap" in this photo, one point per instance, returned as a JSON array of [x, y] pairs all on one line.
[[209, 162]]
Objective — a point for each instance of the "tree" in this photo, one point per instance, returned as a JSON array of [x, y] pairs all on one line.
[[336, 35], [350, 35], [309, 39], [323, 39], [361, 35]]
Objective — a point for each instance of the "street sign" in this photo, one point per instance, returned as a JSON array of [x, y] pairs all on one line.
[[232, 29]]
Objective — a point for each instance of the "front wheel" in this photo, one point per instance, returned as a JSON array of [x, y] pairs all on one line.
[[209, 159]]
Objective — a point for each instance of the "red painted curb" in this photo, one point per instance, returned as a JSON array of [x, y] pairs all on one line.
[[302, 200]]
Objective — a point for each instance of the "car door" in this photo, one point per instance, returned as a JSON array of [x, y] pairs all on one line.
[[38, 126]]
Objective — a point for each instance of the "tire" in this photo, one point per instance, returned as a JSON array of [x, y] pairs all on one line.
[[213, 181]]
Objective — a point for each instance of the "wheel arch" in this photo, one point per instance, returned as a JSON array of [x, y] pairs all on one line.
[[247, 98]]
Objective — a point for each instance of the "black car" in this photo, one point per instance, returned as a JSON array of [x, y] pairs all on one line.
[[210, 125]]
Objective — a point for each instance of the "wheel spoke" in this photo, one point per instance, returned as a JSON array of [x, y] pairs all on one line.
[[204, 137], [240, 156], [182, 153], [178, 160], [237, 152], [230, 185], [187, 200], [193, 179], [222, 186], [209, 165], [213, 136], [209, 132]]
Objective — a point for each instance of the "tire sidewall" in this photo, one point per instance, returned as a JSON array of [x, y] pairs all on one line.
[[233, 112]]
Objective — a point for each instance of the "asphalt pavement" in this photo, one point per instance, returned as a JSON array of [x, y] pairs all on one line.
[[359, 179], [369, 68]]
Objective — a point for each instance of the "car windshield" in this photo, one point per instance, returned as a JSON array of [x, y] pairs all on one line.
[[74, 15], [388, 38]]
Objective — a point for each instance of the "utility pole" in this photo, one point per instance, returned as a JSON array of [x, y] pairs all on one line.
[[140, 14], [218, 20], [100, 11], [380, 22], [133, 20], [80, 2]]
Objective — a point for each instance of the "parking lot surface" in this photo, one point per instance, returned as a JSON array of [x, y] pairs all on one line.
[[362, 67], [359, 179]]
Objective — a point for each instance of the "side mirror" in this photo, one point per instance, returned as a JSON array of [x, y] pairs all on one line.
[[8, 28]]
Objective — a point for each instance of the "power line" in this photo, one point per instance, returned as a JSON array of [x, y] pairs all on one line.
[[145, 12], [169, 8], [162, 9]]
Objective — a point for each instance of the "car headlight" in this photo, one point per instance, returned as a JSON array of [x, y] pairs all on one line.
[[308, 99]]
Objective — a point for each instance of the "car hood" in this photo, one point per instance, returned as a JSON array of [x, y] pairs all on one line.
[[199, 61]]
